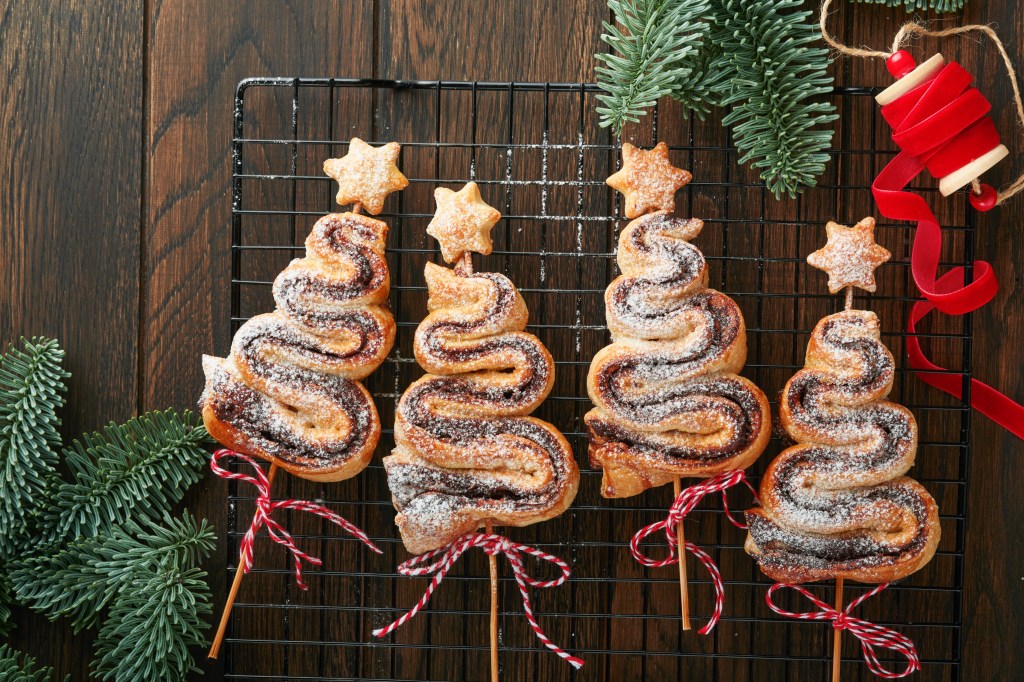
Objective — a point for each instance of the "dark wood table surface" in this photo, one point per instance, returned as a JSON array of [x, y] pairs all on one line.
[[115, 126]]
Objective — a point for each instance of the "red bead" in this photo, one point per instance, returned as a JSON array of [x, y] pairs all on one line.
[[985, 200], [900, 63]]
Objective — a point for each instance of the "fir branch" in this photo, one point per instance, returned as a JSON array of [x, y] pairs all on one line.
[[654, 53], [81, 579], [18, 667], [912, 5], [6, 601], [774, 74], [151, 626], [139, 469], [31, 392], [697, 91], [59, 582]]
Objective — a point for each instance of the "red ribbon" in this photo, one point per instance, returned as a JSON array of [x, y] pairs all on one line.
[[869, 634], [494, 545], [265, 506], [684, 503], [941, 126]]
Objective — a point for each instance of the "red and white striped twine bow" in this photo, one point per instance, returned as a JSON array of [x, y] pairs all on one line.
[[265, 506], [869, 634], [492, 544], [684, 503]]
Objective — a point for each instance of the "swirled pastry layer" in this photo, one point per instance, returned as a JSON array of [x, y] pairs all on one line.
[[289, 391], [837, 504], [668, 401], [466, 452]]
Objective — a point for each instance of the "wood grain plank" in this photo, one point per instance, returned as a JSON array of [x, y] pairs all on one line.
[[70, 122], [191, 92], [512, 42], [994, 553], [516, 41], [424, 53], [71, 131], [75, 82], [199, 51], [519, 41], [991, 567]]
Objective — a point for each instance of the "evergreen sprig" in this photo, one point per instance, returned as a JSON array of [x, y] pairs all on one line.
[[100, 545], [18, 667], [655, 53], [81, 579], [912, 5], [139, 470], [31, 391], [6, 602], [752, 56], [776, 75], [151, 626]]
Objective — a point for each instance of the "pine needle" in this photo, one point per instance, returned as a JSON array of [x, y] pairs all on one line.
[[6, 601], [749, 56], [656, 46], [151, 626], [18, 667], [31, 392], [775, 76], [100, 546], [81, 579], [912, 5], [139, 470]]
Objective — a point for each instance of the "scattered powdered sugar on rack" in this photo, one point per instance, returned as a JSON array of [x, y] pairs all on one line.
[[578, 245]]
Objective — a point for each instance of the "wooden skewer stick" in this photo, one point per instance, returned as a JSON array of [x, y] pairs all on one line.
[[494, 610], [239, 572], [684, 590], [849, 298], [464, 266], [837, 642], [218, 639]]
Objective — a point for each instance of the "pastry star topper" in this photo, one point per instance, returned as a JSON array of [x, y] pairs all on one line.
[[367, 175], [647, 180], [462, 222], [851, 256]]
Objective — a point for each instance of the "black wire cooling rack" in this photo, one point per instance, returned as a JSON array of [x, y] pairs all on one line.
[[541, 158]]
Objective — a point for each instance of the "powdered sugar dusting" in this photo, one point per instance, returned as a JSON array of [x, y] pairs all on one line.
[[851, 256], [367, 175], [289, 388], [465, 451], [667, 400], [835, 504], [648, 180]]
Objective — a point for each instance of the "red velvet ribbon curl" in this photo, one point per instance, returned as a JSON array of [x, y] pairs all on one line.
[[941, 126]]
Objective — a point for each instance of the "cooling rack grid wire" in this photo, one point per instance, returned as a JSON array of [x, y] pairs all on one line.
[[540, 157]]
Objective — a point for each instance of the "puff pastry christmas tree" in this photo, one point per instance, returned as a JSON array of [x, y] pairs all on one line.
[[668, 402], [290, 392], [467, 455], [837, 505]]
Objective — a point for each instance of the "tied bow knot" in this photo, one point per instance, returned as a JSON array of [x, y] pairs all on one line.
[[841, 621], [266, 506], [684, 503], [494, 545], [502, 546], [869, 634]]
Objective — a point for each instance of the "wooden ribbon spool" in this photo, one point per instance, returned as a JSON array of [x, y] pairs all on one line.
[[911, 76]]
